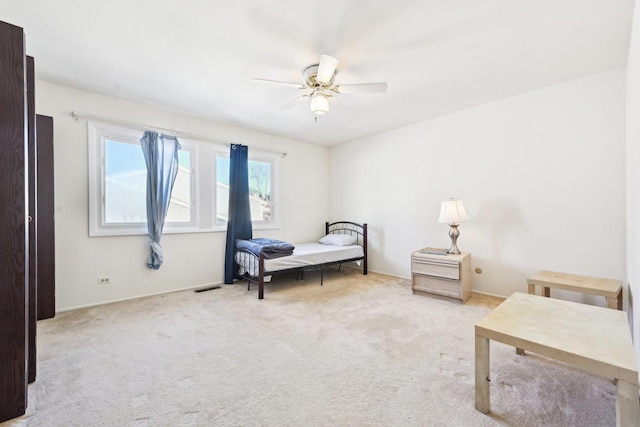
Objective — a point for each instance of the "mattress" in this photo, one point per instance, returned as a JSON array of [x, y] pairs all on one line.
[[304, 255]]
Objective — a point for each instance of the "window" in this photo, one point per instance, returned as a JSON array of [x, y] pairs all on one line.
[[200, 196], [261, 179]]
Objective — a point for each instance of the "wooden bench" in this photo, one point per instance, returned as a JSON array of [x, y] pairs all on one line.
[[611, 289]]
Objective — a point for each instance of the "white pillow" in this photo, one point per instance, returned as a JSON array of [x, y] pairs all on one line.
[[338, 239]]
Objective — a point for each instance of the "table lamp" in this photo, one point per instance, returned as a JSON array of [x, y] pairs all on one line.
[[452, 212]]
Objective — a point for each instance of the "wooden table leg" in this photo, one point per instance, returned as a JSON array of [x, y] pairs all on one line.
[[612, 303], [546, 291], [531, 291], [620, 301], [482, 374], [627, 405]]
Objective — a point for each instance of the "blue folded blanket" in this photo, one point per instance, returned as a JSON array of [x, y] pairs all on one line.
[[270, 248]]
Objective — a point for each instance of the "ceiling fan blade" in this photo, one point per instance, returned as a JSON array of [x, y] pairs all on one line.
[[279, 83], [341, 103], [378, 87], [293, 102], [326, 68]]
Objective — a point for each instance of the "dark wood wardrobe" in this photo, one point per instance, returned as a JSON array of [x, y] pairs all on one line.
[[22, 263], [45, 219]]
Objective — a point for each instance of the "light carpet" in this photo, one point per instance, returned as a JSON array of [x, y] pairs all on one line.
[[358, 351]]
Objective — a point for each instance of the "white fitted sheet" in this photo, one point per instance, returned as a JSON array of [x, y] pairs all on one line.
[[304, 255]]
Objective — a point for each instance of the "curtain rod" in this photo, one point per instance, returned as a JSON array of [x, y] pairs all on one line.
[[77, 116]]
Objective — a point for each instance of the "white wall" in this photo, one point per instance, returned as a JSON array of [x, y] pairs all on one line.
[[541, 175], [633, 179], [190, 259]]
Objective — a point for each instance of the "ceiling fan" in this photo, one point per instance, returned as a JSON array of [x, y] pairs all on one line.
[[319, 84]]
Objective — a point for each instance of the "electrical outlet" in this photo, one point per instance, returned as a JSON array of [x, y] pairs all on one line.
[[104, 280]]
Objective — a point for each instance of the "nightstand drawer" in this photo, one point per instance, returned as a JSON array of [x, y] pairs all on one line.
[[435, 285], [437, 274], [434, 268]]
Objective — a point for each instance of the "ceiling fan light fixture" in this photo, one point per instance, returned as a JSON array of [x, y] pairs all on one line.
[[319, 104]]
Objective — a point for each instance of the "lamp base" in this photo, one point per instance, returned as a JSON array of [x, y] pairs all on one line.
[[454, 233]]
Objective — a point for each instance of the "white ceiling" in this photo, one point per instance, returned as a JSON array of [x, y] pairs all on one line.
[[438, 56]]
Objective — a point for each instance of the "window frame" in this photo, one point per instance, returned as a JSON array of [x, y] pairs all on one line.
[[203, 156]]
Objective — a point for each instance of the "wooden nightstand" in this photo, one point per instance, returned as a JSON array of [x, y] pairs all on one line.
[[446, 275]]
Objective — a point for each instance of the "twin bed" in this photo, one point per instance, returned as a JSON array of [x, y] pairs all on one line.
[[344, 242]]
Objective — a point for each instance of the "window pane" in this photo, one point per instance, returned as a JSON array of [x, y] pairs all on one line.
[[125, 183], [180, 206], [222, 189], [259, 190], [126, 186]]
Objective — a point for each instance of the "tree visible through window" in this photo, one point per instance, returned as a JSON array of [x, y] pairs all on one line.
[[260, 191]]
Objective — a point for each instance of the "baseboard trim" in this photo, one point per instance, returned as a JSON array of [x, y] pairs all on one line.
[[187, 288]]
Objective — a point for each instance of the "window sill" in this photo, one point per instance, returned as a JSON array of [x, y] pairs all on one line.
[[176, 230]]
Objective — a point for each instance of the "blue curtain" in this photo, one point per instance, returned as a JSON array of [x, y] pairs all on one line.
[[239, 216], [161, 156]]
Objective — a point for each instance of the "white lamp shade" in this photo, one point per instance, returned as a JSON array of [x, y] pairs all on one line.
[[452, 212], [319, 104]]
